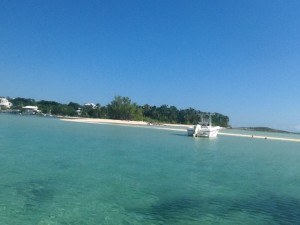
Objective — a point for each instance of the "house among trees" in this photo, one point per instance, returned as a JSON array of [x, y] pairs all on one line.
[[5, 104], [94, 106], [31, 109], [120, 108], [78, 111]]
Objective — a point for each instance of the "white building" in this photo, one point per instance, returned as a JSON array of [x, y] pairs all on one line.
[[4, 103], [94, 106], [31, 109]]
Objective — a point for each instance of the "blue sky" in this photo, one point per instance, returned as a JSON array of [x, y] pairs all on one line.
[[238, 58]]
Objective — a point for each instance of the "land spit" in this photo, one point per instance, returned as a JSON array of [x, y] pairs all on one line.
[[174, 127]]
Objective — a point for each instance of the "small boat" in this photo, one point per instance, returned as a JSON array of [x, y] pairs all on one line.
[[204, 128]]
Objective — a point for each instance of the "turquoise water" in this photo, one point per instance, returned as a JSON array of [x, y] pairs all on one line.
[[62, 173]]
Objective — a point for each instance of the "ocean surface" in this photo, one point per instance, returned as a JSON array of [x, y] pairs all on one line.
[[63, 173]]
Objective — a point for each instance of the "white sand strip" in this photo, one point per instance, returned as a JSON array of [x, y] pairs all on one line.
[[260, 137], [103, 121], [124, 123], [173, 127]]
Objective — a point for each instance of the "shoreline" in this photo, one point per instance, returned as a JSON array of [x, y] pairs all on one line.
[[260, 137], [102, 121], [173, 127]]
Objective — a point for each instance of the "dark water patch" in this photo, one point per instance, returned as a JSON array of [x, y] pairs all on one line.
[[174, 206], [166, 210], [35, 192], [62, 164], [283, 210], [273, 208], [180, 135], [74, 222]]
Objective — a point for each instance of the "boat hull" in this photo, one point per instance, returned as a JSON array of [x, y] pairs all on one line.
[[198, 131]]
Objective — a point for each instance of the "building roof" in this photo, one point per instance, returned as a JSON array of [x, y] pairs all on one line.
[[30, 107]]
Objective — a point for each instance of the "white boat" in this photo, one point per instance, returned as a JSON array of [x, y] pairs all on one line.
[[204, 128]]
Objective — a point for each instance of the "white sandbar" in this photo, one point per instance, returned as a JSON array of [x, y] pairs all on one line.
[[103, 121], [174, 127], [260, 137]]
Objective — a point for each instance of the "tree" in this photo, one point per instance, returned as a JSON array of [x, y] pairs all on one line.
[[18, 103], [220, 120], [122, 108]]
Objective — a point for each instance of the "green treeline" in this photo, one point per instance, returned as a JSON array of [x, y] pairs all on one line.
[[121, 108]]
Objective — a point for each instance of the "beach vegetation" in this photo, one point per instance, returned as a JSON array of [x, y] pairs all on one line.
[[18, 103], [94, 112], [122, 108]]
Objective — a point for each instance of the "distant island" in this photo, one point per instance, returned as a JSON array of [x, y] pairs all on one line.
[[120, 108], [264, 129]]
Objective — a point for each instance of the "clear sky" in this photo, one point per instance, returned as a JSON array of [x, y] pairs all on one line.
[[239, 58]]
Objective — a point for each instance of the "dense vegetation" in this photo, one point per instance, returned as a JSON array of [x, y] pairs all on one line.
[[121, 108]]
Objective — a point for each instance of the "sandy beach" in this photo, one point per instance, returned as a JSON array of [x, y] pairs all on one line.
[[175, 127], [260, 137], [103, 121]]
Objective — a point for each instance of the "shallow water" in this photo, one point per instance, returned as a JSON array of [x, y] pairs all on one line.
[[55, 172]]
